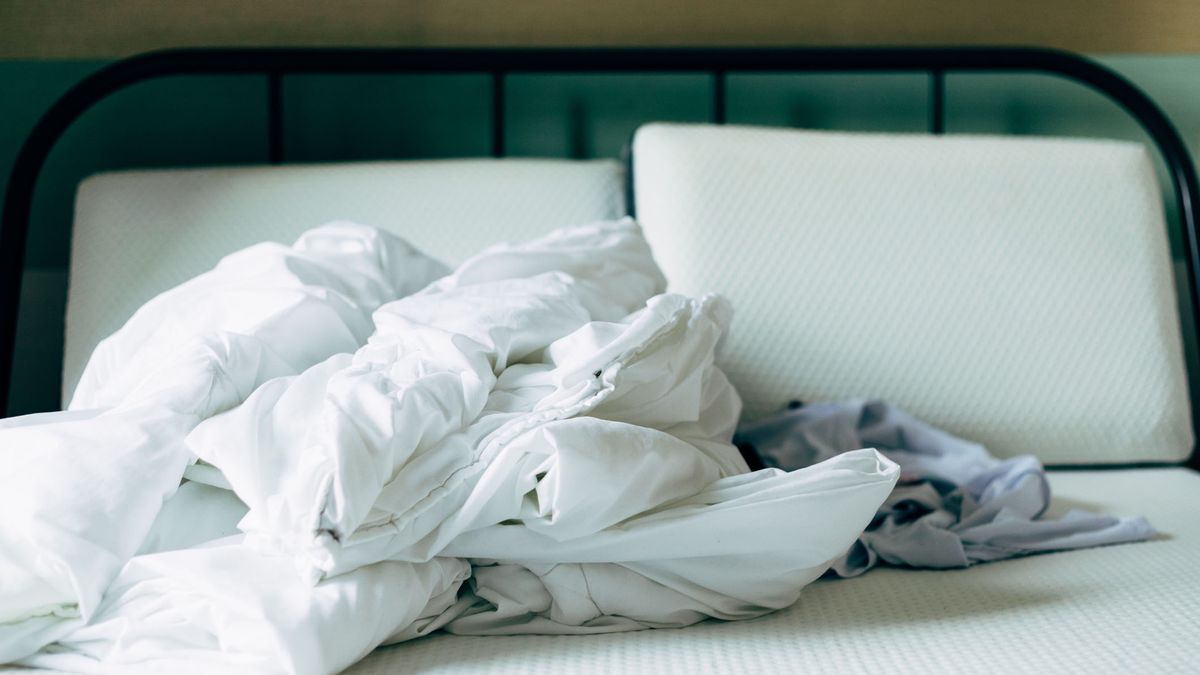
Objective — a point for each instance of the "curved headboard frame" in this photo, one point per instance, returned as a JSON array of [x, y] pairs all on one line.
[[498, 63]]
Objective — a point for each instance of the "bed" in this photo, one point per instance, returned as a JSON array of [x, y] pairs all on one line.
[[1015, 291]]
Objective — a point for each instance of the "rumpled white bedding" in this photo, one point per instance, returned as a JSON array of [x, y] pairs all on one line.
[[536, 442], [79, 490]]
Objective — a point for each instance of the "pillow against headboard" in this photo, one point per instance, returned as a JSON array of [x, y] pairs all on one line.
[[139, 233], [1016, 291]]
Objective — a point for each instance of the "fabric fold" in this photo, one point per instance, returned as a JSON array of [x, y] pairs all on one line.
[[955, 505], [223, 607]]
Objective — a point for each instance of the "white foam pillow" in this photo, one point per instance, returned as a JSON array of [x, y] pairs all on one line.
[[138, 233], [1016, 291]]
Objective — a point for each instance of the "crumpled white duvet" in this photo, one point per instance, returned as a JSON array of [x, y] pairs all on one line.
[[374, 450]]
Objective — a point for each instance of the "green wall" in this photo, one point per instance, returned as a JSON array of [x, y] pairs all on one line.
[[220, 120]]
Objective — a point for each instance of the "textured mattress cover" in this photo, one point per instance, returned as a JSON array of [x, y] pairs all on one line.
[[138, 233], [1016, 291], [1131, 608]]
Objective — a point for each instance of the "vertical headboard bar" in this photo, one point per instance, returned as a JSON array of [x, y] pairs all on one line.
[[498, 78], [937, 101], [275, 117], [719, 106]]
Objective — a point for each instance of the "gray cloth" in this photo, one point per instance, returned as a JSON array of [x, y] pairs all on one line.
[[955, 504]]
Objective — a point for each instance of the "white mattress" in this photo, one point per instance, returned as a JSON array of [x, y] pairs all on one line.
[[138, 233], [1017, 291], [1132, 608]]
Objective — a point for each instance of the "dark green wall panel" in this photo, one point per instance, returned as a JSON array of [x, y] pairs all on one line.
[[584, 116], [864, 102], [356, 117]]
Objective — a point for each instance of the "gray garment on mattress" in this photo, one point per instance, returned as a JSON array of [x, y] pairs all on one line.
[[955, 504]]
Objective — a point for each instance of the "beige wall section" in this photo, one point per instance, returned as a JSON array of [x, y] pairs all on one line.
[[39, 29]]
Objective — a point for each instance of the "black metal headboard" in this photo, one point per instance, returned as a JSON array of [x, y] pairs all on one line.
[[274, 64]]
